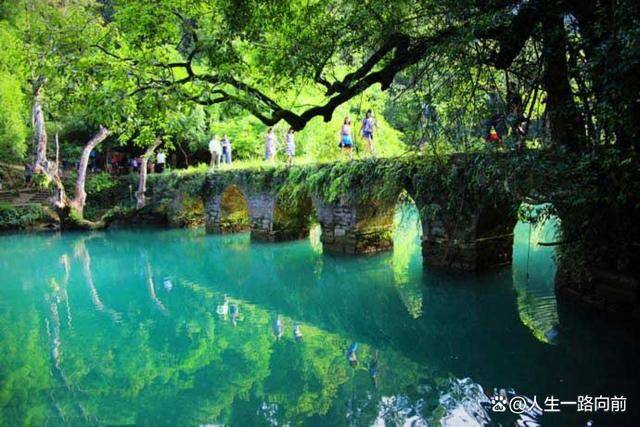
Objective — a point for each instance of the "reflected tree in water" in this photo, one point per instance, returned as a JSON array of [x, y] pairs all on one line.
[[533, 279]]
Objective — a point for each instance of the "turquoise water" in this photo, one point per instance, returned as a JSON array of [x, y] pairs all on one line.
[[176, 327]]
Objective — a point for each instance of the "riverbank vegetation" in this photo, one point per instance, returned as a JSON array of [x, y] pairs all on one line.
[[22, 217]]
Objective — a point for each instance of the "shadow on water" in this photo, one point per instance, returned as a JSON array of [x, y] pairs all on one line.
[[179, 327]]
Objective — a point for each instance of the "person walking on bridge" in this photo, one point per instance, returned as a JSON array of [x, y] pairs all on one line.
[[346, 141], [290, 146], [216, 151], [161, 160], [366, 130], [271, 144], [226, 149]]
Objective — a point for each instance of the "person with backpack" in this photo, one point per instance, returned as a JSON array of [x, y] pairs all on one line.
[[494, 137], [367, 129]]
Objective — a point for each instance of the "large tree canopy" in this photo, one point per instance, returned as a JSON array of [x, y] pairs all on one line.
[[270, 57], [170, 68]]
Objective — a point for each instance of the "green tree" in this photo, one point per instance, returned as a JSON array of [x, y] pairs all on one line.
[[13, 108], [260, 56]]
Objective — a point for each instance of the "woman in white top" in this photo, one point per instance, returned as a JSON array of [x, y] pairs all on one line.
[[346, 140], [290, 146], [216, 151], [271, 144], [161, 159]]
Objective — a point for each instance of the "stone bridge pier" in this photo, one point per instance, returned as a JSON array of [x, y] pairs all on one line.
[[261, 206], [474, 238], [263, 213], [471, 241], [351, 227]]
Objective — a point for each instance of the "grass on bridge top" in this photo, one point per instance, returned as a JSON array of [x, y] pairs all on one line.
[[258, 164]]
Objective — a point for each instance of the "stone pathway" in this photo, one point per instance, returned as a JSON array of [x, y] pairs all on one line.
[[24, 196]]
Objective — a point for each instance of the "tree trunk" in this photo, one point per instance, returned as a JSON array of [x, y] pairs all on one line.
[[40, 132], [57, 154], [70, 211], [565, 122], [80, 197], [184, 153], [41, 165], [613, 77], [142, 182]]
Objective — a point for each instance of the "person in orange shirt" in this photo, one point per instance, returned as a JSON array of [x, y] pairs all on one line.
[[493, 136]]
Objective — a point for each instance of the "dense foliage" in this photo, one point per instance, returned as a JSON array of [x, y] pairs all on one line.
[[21, 217], [437, 73]]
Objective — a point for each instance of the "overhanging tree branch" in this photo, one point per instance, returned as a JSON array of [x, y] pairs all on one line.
[[398, 52]]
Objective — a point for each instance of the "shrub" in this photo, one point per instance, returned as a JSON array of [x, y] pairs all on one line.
[[20, 217]]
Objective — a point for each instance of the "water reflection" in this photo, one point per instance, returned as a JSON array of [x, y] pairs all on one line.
[[256, 334], [80, 252], [278, 326], [407, 257], [533, 279], [151, 287]]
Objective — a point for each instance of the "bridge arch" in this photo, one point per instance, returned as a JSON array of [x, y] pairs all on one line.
[[406, 229], [533, 270], [293, 215], [354, 225], [228, 211], [187, 211], [406, 257]]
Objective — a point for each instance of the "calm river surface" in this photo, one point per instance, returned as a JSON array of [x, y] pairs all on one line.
[[176, 327]]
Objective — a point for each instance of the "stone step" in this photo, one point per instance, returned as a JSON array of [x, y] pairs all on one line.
[[24, 197]]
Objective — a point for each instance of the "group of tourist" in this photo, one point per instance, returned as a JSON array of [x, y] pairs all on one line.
[[220, 150], [366, 131], [271, 146], [135, 163]]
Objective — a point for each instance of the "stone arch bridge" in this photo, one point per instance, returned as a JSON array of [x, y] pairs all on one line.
[[468, 204]]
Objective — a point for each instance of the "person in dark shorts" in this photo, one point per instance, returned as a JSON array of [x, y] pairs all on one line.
[[161, 160], [28, 173], [367, 129]]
